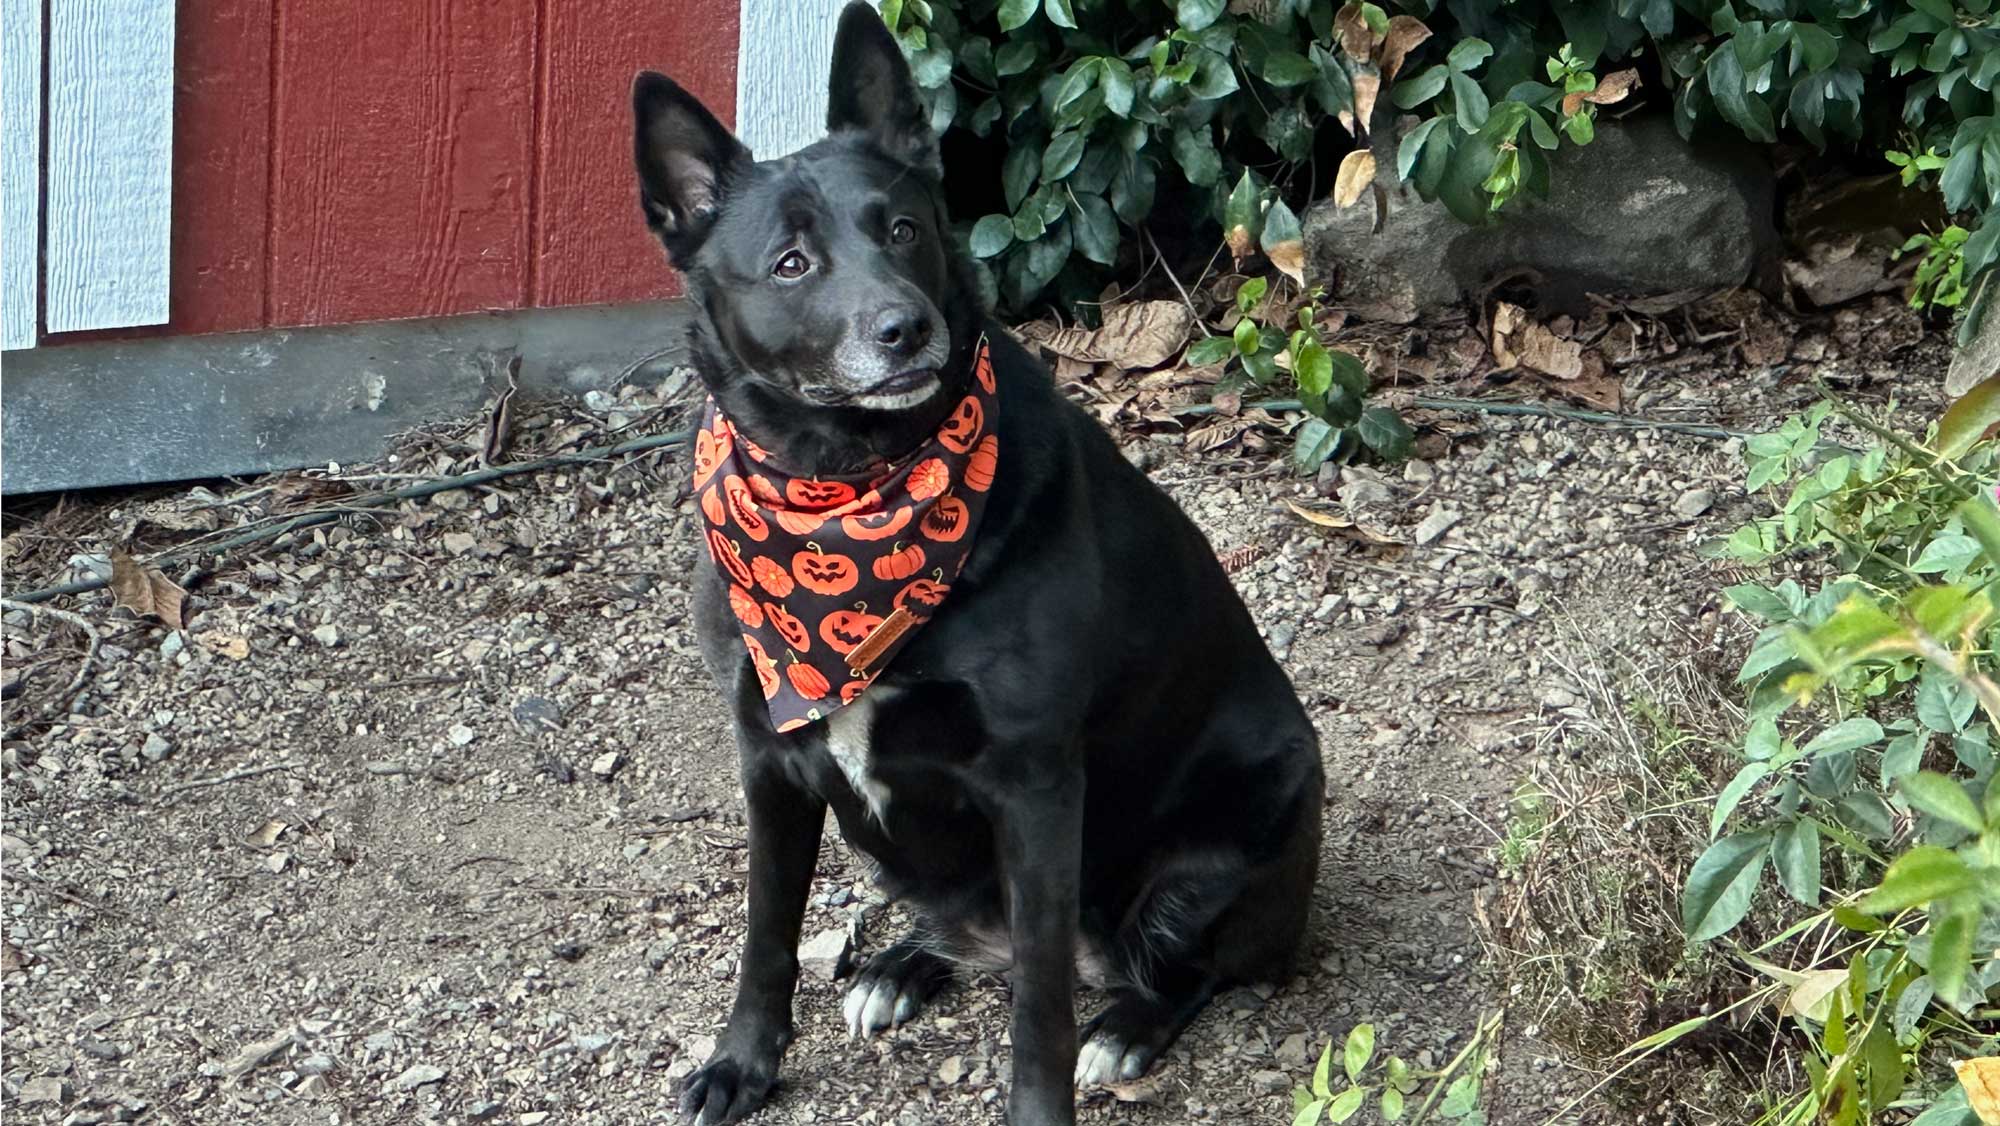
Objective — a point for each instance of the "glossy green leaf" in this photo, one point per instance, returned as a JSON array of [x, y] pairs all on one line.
[[1323, 1074], [991, 235], [1384, 431], [1420, 87], [1210, 350], [1859, 731], [1795, 856], [1733, 794], [1061, 155], [1194, 15], [1468, 53], [1720, 884], [1015, 13], [1360, 1048]]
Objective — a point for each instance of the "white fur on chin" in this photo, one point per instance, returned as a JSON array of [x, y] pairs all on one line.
[[901, 400]]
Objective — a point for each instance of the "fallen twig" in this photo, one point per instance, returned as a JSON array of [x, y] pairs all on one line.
[[68, 896], [232, 776], [1537, 410], [66, 699], [374, 500], [1185, 299]]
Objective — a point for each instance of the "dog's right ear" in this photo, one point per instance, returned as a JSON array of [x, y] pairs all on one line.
[[685, 156]]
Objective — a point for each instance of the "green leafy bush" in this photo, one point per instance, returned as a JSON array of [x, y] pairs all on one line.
[[1095, 101], [1879, 811]]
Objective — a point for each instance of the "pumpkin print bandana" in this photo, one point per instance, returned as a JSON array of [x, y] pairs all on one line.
[[830, 576]]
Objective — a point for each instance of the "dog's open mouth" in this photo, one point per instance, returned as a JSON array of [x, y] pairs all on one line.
[[905, 389]]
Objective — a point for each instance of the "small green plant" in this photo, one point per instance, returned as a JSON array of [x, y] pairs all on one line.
[[1940, 278], [1915, 164], [1397, 1089], [1331, 384]]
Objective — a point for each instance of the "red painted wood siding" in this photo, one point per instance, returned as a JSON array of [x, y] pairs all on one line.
[[590, 244], [346, 160], [222, 162], [401, 159]]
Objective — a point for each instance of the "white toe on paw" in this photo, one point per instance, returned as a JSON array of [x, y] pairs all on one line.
[[1096, 1064], [880, 1011], [852, 1006]]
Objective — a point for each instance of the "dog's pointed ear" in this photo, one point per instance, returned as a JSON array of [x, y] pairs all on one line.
[[685, 157], [871, 90]]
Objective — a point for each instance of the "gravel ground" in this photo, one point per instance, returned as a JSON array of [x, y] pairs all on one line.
[[436, 821]]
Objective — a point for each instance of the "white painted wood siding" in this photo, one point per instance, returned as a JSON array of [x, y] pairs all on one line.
[[20, 169], [783, 54], [110, 162]]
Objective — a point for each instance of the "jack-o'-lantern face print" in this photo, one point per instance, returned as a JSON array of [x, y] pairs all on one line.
[[962, 427], [825, 573], [947, 520]]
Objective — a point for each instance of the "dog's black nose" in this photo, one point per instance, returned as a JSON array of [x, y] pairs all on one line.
[[903, 330]]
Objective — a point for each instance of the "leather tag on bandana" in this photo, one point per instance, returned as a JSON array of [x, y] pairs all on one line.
[[830, 576], [864, 657]]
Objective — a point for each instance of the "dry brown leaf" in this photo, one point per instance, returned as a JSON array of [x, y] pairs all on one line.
[[144, 590], [1405, 32], [1317, 516], [1596, 387], [1357, 40], [1068, 369], [1981, 1080], [1366, 88], [500, 420], [1357, 171], [1135, 336], [227, 644], [266, 835], [1518, 341], [1241, 245], [1290, 259], [1613, 88], [1812, 994]]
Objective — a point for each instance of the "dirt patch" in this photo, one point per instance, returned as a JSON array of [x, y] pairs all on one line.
[[506, 878]]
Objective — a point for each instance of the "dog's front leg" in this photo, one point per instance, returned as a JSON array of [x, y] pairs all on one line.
[[785, 824], [1041, 841]]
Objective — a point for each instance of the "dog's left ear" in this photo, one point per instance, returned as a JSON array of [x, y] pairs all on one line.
[[685, 159], [871, 90]]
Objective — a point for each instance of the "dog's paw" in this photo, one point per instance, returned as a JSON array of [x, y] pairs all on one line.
[[725, 1090], [1105, 1059], [1120, 1045], [892, 988]]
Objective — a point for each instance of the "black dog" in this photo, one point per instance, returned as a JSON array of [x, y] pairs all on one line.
[[1085, 763]]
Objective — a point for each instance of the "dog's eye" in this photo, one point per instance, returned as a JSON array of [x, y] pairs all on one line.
[[902, 230], [792, 266]]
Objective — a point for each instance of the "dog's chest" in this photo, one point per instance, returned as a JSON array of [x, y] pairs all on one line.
[[849, 739]]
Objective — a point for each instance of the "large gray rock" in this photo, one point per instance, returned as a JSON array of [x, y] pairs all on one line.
[[1637, 210]]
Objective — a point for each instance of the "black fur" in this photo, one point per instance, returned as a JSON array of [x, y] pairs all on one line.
[[1090, 755]]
